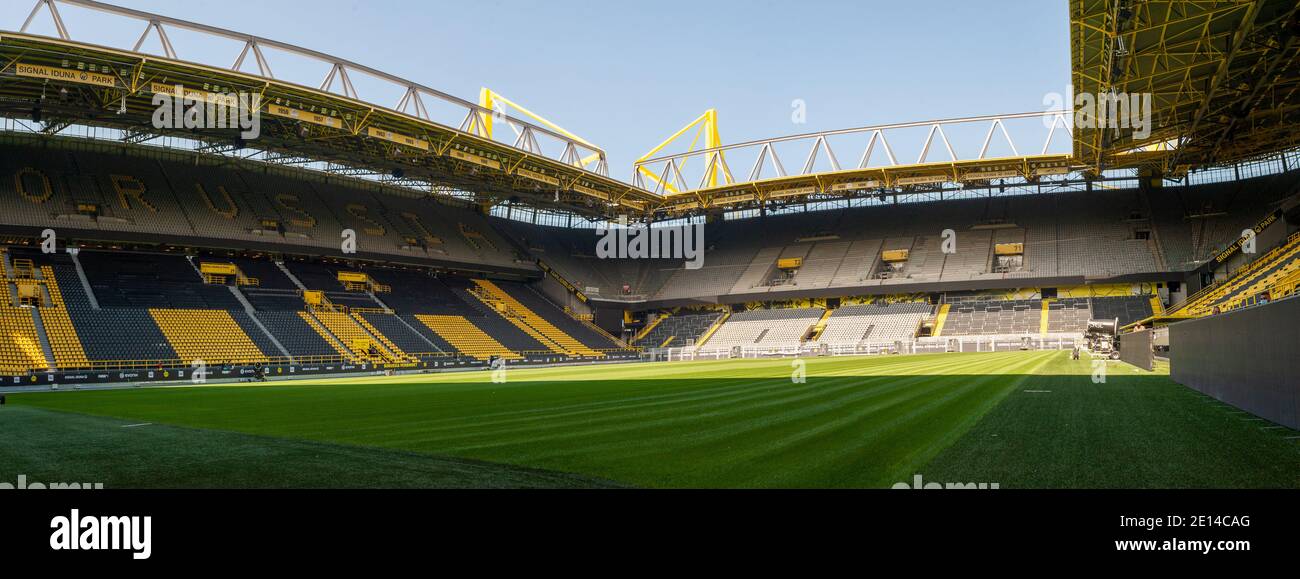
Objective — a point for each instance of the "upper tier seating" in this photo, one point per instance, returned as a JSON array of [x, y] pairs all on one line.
[[1092, 235], [236, 207]]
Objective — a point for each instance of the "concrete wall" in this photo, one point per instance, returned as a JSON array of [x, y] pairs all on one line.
[[1135, 348], [1249, 358]]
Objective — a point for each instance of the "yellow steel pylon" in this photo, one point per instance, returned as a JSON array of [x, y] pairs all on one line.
[[491, 100], [706, 126]]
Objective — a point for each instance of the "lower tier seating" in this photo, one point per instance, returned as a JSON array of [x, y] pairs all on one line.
[[212, 336], [679, 330], [465, 337], [64, 341], [295, 335], [401, 334], [1128, 309], [879, 323], [779, 328], [529, 321], [556, 317], [989, 318], [20, 346], [122, 335]]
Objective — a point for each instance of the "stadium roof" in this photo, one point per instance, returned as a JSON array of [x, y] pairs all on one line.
[[1223, 79], [1222, 76]]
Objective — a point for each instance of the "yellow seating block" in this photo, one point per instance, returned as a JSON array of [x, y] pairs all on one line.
[[209, 335]]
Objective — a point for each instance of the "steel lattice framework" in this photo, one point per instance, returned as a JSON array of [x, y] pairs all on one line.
[[1223, 77], [866, 161], [427, 138]]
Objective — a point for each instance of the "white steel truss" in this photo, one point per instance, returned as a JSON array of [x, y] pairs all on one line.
[[821, 158], [463, 114]]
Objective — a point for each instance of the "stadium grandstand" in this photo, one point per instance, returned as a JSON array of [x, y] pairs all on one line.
[[437, 241], [177, 248]]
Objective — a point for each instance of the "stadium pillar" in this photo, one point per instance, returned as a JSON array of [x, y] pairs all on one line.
[[1150, 179]]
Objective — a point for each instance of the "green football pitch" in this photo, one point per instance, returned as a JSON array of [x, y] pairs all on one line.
[[1020, 419]]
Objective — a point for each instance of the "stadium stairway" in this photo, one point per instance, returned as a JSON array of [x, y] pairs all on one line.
[[10, 293], [64, 341], [401, 354], [584, 331], [645, 331], [532, 322], [295, 334], [357, 339], [85, 281], [678, 329], [339, 347], [46, 348], [465, 337], [58, 335], [704, 338], [293, 278], [940, 319], [493, 305], [403, 335]]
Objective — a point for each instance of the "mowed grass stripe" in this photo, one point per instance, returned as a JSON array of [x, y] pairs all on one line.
[[886, 435], [702, 402], [749, 432], [1135, 430], [58, 447], [728, 423]]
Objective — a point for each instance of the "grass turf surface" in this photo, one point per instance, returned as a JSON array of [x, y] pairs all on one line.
[[1018, 419]]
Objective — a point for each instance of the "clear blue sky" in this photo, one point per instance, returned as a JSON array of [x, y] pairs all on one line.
[[625, 75]]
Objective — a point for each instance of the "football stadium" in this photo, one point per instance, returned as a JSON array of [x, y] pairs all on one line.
[[221, 275]]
